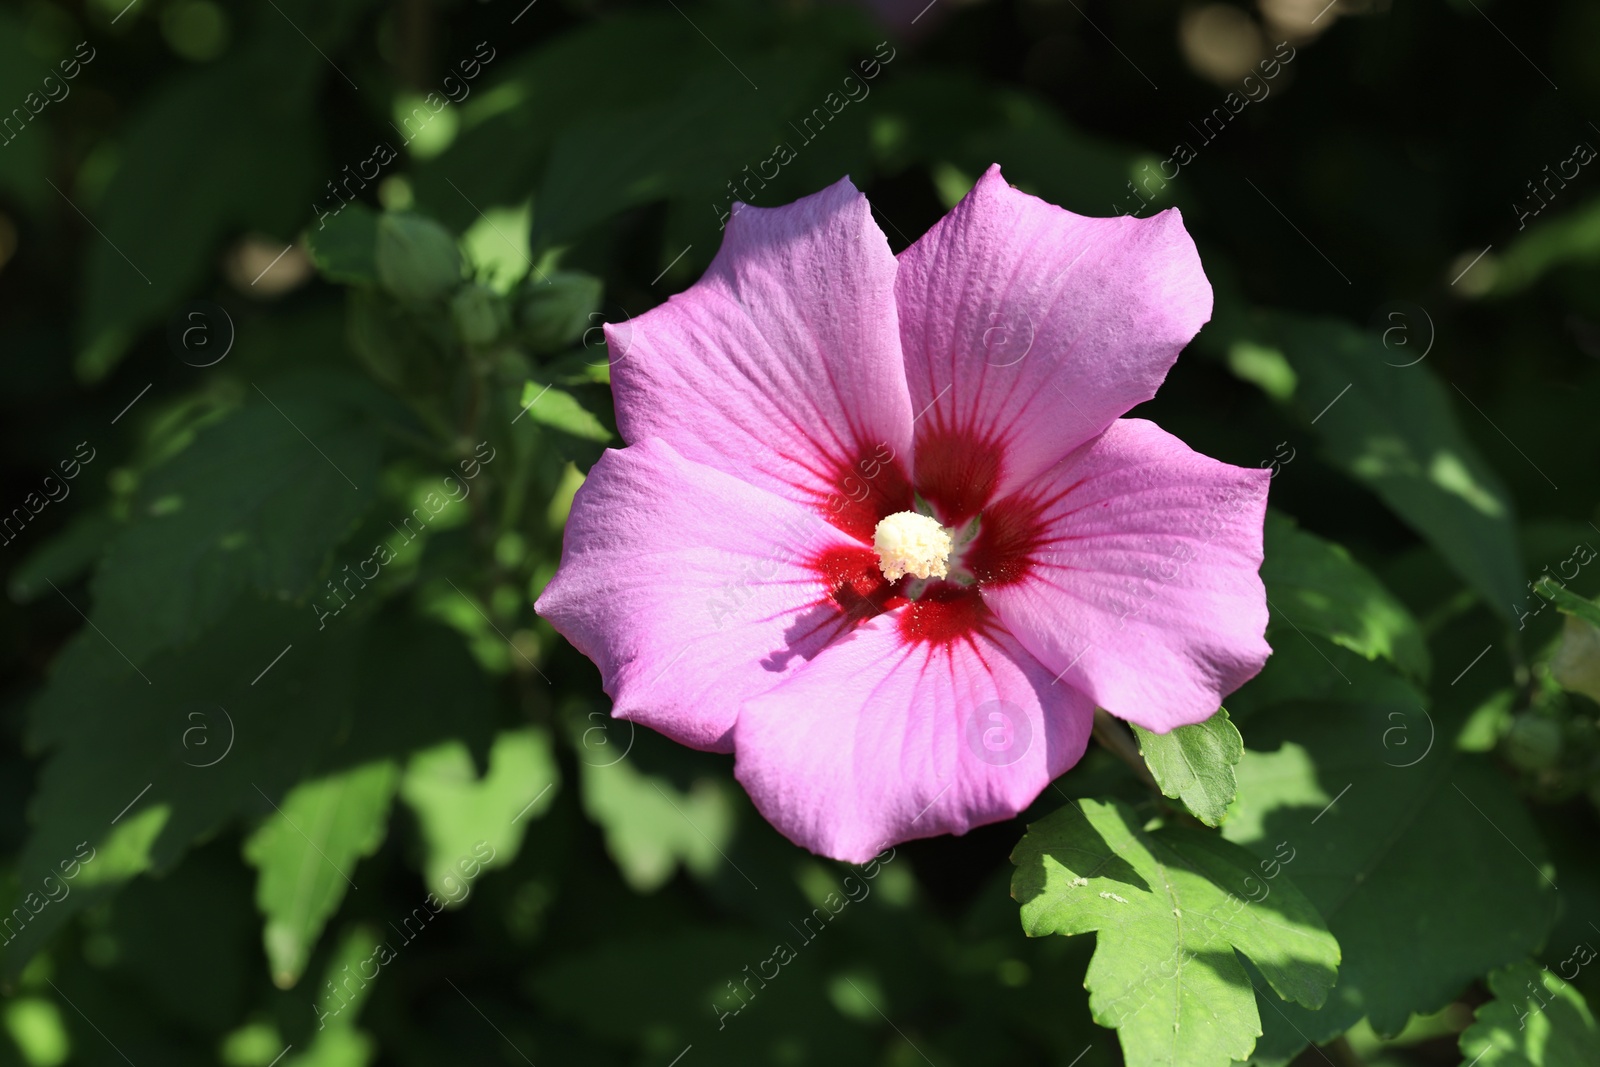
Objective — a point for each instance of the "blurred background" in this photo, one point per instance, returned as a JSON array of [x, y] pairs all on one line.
[[285, 281]]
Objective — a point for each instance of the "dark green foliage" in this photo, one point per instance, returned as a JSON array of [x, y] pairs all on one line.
[[294, 776]]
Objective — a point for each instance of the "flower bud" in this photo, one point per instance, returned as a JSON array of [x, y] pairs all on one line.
[[417, 258], [479, 314]]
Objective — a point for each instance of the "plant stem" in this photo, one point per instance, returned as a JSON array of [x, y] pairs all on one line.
[[1118, 740]]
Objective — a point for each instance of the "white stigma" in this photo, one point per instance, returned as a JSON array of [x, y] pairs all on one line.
[[909, 543]]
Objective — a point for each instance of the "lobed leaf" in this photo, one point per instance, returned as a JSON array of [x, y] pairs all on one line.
[[1166, 971], [651, 826], [261, 701], [1535, 1020], [462, 814]]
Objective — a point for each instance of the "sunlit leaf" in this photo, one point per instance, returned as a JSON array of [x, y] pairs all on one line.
[[1171, 919], [1393, 428], [1195, 764], [306, 852], [560, 410], [1535, 1020], [1565, 237], [651, 826], [353, 966], [1314, 585], [470, 823], [258, 703]]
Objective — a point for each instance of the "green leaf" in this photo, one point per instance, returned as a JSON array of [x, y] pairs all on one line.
[[502, 144], [560, 410], [253, 173], [396, 345], [496, 247], [674, 980], [1535, 1020], [256, 502], [1038, 148], [697, 136], [1568, 602], [1306, 668], [337, 1046], [336, 1042], [210, 891], [555, 311], [1315, 586], [257, 703], [1394, 430], [1413, 843], [417, 258], [1166, 971], [660, 151], [307, 851], [1195, 763], [651, 826], [479, 314], [345, 247], [1567, 238], [64, 558], [471, 823], [1263, 367]]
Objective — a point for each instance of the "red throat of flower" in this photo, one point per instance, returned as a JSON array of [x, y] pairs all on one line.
[[954, 481]]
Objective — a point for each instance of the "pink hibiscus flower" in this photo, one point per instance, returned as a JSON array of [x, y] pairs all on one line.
[[880, 530]]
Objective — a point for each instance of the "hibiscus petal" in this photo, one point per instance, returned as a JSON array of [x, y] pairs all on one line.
[[879, 741], [686, 587], [1027, 329], [1142, 588], [782, 365]]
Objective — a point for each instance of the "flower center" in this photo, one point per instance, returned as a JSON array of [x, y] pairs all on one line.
[[910, 543]]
